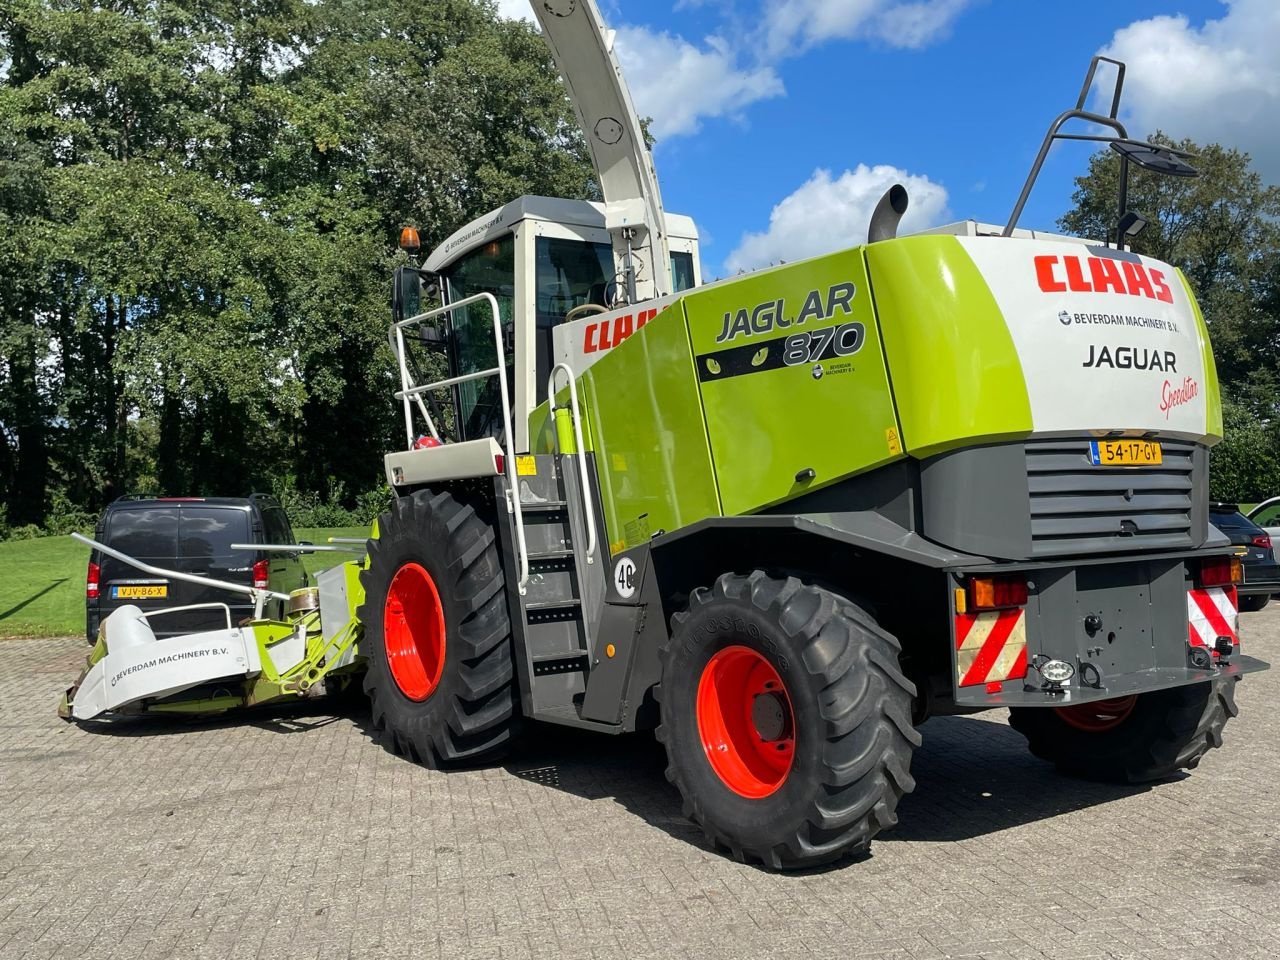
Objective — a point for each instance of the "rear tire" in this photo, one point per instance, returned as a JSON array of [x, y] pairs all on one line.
[[842, 718], [1253, 604], [437, 635], [1163, 732]]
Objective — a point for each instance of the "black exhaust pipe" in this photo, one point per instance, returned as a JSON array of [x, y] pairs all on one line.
[[887, 214]]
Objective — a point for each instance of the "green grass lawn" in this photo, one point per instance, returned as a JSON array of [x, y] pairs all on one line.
[[42, 581]]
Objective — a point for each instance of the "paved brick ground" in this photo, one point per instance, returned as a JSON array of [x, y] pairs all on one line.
[[290, 834]]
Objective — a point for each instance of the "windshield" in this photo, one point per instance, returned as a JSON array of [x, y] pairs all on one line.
[[570, 273], [489, 269]]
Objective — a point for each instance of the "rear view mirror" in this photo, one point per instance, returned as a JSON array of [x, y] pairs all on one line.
[[406, 295], [306, 543]]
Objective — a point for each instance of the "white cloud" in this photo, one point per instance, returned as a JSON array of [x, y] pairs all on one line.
[[1217, 82], [828, 214], [678, 84], [791, 26]]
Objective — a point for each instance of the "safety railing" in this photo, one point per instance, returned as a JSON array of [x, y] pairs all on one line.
[[410, 393], [587, 507]]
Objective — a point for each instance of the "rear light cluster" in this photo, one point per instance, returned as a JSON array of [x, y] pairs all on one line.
[[1221, 571], [1262, 540], [91, 581], [261, 574], [996, 593]]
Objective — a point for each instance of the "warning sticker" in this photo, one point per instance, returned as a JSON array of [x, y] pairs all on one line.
[[893, 440], [526, 466]]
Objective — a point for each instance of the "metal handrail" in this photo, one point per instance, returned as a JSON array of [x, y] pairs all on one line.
[[409, 390], [587, 506]]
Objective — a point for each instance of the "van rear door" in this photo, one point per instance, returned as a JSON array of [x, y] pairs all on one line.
[[207, 533], [147, 532]]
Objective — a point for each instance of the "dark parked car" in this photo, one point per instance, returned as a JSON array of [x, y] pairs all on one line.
[[190, 535], [1261, 572]]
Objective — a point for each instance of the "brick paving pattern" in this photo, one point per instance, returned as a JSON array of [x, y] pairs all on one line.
[[288, 833]]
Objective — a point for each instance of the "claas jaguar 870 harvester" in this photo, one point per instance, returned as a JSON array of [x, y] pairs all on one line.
[[781, 519]]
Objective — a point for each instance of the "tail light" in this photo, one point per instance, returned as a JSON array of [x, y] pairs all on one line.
[[1262, 540], [91, 581], [1221, 571], [995, 593], [261, 573]]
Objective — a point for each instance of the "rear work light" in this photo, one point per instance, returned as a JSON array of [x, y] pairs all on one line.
[[91, 581], [261, 573], [996, 593], [1220, 572], [1262, 540]]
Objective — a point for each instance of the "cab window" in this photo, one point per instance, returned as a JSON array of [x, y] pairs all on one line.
[[681, 272], [569, 273], [489, 269]]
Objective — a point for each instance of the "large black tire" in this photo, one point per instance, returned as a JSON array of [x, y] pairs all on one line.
[[1166, 731], [469, 715], [851, 708], [1254, 603]]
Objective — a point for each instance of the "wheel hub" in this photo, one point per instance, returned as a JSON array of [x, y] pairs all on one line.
[[770, 714], [746, 722]]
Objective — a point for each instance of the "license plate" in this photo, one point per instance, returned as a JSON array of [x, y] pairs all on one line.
[[148, 591], [1125, 453]]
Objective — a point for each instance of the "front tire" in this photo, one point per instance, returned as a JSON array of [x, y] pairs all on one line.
[[786, 720], [437, 635], [1135, 739]]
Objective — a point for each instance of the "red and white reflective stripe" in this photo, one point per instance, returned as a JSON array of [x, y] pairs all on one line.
[[1211, 614], [990, 647]]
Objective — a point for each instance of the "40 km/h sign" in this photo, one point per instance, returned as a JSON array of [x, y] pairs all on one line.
[[624, 578]]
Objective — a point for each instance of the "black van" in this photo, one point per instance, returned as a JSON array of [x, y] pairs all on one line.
[[190, 535]]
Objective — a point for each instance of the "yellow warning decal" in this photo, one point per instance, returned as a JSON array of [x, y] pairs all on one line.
[[619, 463], [526, 466], [895, 442]]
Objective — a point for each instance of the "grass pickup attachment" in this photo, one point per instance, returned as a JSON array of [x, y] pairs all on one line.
[[130, 670]]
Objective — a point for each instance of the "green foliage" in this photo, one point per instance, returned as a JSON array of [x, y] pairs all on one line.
[[198, 209], [1245, 466], [1222, 230]]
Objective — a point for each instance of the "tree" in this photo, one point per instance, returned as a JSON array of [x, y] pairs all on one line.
[[199, 203]]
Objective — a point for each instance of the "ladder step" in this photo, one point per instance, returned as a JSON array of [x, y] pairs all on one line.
[[561, 663], [557, 657], [545, 506], [564, 554], [552, 605]]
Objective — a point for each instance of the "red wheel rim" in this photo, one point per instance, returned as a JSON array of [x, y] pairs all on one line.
[[1099, 716], [413, 632], [750, 743]]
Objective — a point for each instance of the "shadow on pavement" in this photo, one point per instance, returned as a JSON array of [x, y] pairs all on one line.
[[296, 716], [973, 778]]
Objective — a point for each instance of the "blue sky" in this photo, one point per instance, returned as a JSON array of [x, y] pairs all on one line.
[[780, 122]]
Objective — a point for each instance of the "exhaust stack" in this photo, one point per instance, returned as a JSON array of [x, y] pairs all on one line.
[[887, 214]]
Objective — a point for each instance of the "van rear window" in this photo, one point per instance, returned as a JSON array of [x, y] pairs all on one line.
[[210, 532], [148, 534]]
